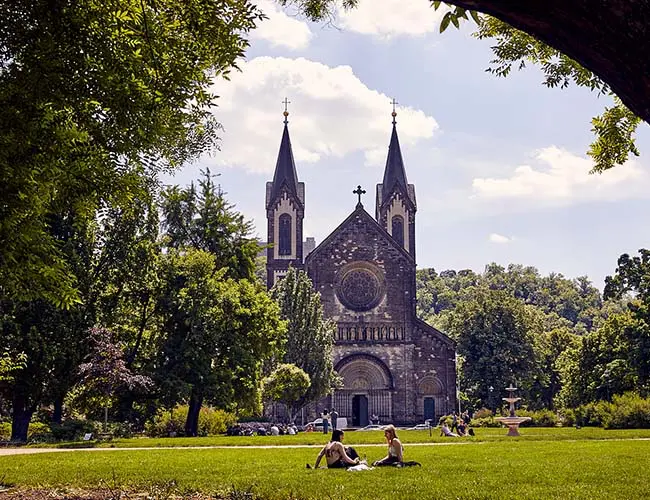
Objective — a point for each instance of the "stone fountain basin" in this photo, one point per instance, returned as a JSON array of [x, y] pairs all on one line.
[[512, 423], [512, 420]]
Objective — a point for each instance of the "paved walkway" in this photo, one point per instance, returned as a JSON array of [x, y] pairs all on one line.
[[30, 451]]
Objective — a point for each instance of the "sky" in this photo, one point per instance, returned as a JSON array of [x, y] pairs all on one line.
[[499, 164]]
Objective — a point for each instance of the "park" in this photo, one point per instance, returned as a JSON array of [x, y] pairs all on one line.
[[583, 463], [234, 233]]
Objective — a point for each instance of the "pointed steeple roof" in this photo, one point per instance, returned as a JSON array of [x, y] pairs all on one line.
[[285, 168], [394, 173]]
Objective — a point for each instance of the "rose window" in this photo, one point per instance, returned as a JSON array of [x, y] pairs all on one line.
[[360, 290]]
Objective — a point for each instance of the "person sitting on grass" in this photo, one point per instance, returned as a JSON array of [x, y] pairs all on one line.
[[445, 431], [337, 455], [395, 448]]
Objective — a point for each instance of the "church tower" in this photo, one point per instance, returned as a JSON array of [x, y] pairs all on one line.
[[285, 209], [395, 205]]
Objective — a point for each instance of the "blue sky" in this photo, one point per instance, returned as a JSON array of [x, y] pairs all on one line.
[[499, 165]]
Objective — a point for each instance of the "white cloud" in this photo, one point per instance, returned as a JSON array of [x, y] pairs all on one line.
[[389, 18], [563, 178], [332, 114], [498, 238], [280, 29]]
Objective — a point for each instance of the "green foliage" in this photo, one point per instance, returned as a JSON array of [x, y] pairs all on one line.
[[37, 431], [204, 220], [614, 130], [172, 423], [539, 418], [96, 98], [627, 411], [72, 429], [309, 337], [9, 363], [633, 276], [567, 303], [287, 384], [495, 339], [218, 332]]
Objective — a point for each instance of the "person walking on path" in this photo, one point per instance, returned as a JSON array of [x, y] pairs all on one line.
[[325, 417], [335, 417]]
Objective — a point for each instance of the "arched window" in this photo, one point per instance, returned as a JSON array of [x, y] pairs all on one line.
[[398, 229], [284, 243]]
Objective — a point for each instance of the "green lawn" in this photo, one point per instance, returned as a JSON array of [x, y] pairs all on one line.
[[544, 463], [355, 437]]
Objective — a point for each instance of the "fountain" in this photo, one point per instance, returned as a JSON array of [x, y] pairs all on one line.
[[512, 421]]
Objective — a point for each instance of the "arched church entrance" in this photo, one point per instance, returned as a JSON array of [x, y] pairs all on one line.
[[431, 396], [367, 390]]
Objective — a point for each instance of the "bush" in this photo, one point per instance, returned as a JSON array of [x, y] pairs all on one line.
[[38, 432], [72, 429], [211, 422], [629, 411], [539, 418], [485, 422], [483, 413], [589, 415]]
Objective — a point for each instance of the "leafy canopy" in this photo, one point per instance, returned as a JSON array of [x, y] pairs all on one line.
[[96, 98]]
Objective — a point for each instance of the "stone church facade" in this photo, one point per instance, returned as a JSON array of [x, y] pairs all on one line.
[[393, 365]]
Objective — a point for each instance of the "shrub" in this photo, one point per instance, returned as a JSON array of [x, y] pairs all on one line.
[[589, 415], [539, 418], [483, 413], [567, 417], [172, 423], [484, 422], [38, 432], [72, 429], [628, 411]]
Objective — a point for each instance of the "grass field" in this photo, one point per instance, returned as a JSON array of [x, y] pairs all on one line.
[[354, 438], [543, 463]]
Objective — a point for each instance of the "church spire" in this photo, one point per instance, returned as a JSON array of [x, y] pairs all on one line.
[[396, 206], [394, 173], [285, 168]]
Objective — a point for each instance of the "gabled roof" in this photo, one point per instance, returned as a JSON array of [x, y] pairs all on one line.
[[437, 333], [285, 169], [360, 212]]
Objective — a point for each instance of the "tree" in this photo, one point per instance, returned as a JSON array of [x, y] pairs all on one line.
[[595, 46], [217, 334], [104, 373], [495, 339], [96, 98], [598, 366], [633, 276], [309, 337], [203, 219], [288, 385]]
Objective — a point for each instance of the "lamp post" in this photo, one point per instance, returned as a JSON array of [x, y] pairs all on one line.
[[490, 402]]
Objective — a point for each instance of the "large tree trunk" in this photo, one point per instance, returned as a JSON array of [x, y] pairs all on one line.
[[610, 38], [57, 414], [192, 422], [22, 415]]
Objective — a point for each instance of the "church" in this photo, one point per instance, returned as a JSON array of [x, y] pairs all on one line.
[[394, 366]]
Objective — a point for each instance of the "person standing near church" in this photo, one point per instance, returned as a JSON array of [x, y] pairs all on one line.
[[335, 417], [325, 417]]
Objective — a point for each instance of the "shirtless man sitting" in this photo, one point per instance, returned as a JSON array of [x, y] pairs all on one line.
[[336, 455]]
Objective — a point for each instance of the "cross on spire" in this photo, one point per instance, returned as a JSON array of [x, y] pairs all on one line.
[[286, 103], [394, 113], [359, 192]]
